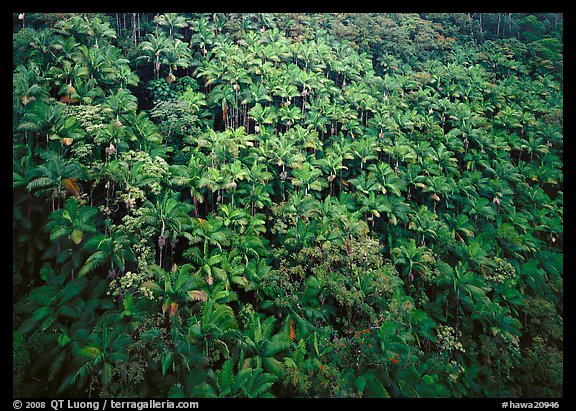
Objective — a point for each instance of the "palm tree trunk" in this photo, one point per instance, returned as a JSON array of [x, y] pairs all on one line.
[[134, 29]]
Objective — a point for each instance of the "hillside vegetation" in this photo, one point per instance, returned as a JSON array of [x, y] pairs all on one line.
[[287, 205]]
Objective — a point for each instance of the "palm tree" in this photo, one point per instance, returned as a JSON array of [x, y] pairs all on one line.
[[256, 197], [177, 288], [365, 183], [129, 175], [224, 96], [232, 217], [203, 34], [120, 103], [54, 303], [261, 345], [301, 206], [213, 179], [210, 230], [401, 150], [409, 256], [395, 209], [476, 160], [123, 74], [424, 223], [256, 273], [289, 115], [89, 63], [56, 176], [371, 206], [480, 207], [246, 383], [49, 120], [152, 48], [261, 115], [143, 130], [173, 21], [233, 264], [446, 163], [208, 262], [467, 185], [332, 165], [112, 248], [307, 137], [59, 314], [86, 91], [170, 216], [463, 283], [286, 91], [91, 26], [501, 193], [43, 47], [316, 117], [474, 254], [217, 143], [308, 177], [206, 233], [189, 177], [534, 145], [29, 84], [215, 326], [439, 186], [255, 191], [283, 153], [388, 180], [460, 225], [106, 348], [251, 244], [175, 53], [232, 174], [358, 94], [412, 178], [71, 222], [23, 173]]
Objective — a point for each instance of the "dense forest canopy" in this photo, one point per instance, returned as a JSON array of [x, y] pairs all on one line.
[[288, 205]]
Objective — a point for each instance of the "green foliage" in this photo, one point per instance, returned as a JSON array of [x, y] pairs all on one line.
[[246, 383], [20, 360], [288, 205]]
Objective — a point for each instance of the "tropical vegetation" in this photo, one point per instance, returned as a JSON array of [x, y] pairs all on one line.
[[287, 205]]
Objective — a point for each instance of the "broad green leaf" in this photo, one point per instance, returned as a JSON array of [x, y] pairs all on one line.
[[76, 236], [427, 379], [374, 387], [90, 351], [167, 360], [59, 232], [360, 383], [63, 339]]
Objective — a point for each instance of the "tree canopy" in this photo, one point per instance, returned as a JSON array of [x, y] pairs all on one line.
[[288, 205]]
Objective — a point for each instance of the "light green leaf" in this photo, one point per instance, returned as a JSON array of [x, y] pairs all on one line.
[[76, 236]]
